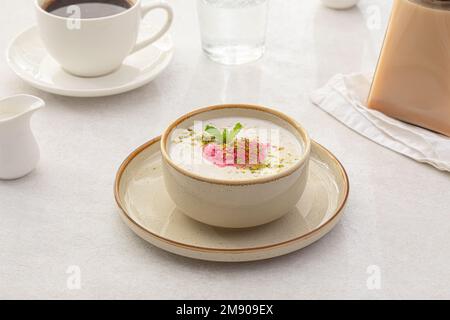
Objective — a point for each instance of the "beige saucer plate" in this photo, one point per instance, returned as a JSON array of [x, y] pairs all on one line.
[[151, 214]]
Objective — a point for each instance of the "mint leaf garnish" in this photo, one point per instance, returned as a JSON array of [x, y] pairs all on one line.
[[224, 137], [213, 131], [237, 128]]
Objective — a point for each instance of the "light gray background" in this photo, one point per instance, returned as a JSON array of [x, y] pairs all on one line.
[[398, 214]]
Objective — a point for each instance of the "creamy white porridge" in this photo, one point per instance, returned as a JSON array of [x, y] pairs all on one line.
[[234, 148]]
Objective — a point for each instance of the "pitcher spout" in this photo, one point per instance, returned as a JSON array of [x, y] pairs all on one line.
[[19, 106]]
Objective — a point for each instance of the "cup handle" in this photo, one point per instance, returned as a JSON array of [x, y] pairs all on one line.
[[144, 11]]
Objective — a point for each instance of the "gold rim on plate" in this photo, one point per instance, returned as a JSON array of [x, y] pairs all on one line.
[[142, 228]]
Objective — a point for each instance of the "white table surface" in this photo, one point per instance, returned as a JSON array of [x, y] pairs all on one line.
[[64, 214]]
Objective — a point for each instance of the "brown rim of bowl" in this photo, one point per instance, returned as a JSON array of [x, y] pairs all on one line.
[[259, 180], [143, 229]]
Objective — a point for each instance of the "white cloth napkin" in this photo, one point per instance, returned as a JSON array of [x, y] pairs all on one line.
[[344, 98]]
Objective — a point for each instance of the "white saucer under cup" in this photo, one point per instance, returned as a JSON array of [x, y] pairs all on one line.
[[28, 58], [147, 209]]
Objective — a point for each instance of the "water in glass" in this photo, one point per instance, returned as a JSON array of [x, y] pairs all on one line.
[[233, 31]]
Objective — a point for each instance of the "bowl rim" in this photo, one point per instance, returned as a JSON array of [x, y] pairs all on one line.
[[259, 180]]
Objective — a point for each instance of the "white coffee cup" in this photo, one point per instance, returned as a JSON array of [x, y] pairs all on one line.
[[96, 46]]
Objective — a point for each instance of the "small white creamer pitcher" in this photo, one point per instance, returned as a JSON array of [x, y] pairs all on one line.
[[19, 151]]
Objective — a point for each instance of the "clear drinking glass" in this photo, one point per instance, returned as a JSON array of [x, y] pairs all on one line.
[[233, 31]]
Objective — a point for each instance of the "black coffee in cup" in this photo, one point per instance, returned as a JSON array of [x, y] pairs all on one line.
[[87, 9]]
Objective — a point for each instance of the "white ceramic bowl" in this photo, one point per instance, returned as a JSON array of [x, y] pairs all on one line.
[[236, 203]]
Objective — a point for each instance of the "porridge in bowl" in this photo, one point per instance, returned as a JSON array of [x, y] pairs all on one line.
[[234, 148]]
